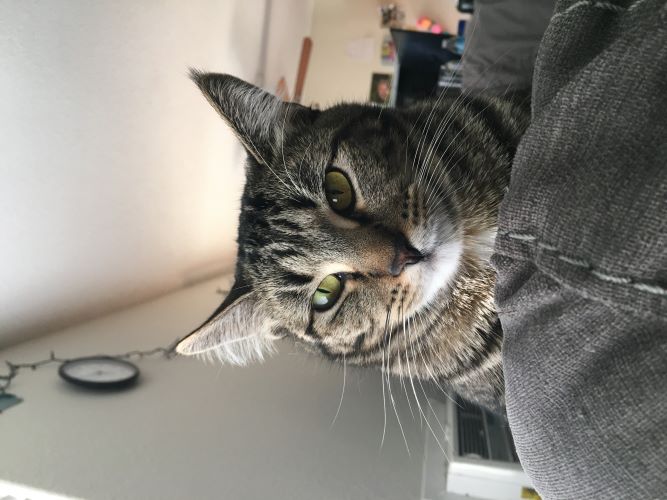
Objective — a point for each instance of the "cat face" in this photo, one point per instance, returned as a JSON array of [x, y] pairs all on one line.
[[351, 236]]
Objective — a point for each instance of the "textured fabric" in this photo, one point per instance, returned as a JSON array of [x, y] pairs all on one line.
[[581, 257], [501, 44]]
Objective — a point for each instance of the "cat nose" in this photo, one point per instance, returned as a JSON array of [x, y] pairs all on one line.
[[404, 255]]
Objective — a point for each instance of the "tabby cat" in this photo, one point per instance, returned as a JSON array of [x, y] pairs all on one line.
[[365, 233]]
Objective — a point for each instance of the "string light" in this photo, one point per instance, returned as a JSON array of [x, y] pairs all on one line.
[[13, 369]]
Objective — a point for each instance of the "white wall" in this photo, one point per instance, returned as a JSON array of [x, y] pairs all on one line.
[[117, 180], [289, 22]]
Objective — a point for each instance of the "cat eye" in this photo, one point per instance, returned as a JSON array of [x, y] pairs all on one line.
[[328, 292], [339, 192]]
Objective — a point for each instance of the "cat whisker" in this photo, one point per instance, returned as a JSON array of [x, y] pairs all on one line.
[[400, 366], [462, 143], [433, 377], [382, 374], [442, 126], [342, 394], [451, 113], [422, 411], [443, 170], [391, 396], [410, 375], [429, 402], [434, 107], [422, 140]]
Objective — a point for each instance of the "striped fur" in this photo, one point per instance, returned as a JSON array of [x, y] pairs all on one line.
[[434, 173]]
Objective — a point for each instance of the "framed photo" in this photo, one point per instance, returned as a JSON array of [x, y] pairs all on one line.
[[380, 88]]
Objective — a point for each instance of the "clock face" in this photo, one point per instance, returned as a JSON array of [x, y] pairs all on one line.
[[100, 372]]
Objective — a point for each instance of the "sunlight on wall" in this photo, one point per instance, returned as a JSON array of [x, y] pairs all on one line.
[[119, 181]]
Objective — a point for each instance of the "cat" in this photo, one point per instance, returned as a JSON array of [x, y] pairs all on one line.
[[365, 233]]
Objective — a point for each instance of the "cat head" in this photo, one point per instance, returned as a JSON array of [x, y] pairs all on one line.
[[347, 228]]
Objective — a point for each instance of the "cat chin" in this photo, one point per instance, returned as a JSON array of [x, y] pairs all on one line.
[[439, 269]]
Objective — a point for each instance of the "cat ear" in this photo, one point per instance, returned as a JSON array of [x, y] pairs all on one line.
[[236, 333], [258, 118]]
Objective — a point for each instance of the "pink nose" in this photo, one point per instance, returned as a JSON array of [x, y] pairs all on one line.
[[404, 255]]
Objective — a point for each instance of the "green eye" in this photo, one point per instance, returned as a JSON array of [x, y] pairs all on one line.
[[327, 293], [338, 190]]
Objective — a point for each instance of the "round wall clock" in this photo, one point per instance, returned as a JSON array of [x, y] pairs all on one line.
[[99, 372]]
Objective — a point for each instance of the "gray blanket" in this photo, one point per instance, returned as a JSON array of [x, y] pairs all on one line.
[[581, 257]]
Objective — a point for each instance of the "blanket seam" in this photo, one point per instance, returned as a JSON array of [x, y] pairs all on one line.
[[527, 238]]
